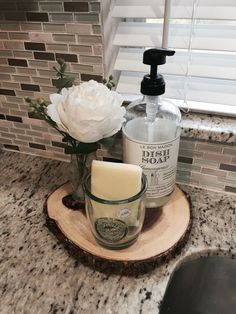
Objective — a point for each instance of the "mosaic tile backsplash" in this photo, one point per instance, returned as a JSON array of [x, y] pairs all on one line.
[[33, 34], [200, 163]]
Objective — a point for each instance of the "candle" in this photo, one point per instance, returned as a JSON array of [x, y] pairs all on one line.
[[114, 202], [115, 181]]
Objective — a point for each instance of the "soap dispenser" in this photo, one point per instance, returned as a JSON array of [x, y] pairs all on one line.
[[151, 132]]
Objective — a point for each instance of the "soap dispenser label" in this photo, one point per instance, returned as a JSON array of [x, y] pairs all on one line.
[[158, 161]]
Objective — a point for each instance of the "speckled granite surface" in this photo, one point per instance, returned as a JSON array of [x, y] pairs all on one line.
[[38, 276], [208, 127]]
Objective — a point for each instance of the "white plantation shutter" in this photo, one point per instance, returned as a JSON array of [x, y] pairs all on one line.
[[203, 33]]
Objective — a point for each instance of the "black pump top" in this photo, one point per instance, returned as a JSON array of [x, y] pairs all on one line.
[[153, 84]]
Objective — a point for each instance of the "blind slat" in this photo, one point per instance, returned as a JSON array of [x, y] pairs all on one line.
[[181, 9], [206, 36], [201, 63], [203, 69], [199, 89]]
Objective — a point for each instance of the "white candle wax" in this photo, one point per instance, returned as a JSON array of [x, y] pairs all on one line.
[[115, 181]]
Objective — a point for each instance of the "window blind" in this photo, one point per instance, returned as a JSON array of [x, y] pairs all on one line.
[[203, 33]]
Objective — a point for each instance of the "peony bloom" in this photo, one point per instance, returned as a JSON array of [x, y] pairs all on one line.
[[87, 112]]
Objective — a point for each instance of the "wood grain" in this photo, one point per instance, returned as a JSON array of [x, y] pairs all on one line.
[[159, 240]]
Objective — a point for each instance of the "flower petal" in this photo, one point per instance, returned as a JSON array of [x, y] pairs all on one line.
[[52, 112], [89, 112]]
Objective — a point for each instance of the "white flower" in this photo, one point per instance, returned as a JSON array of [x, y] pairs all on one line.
[[88, 112]]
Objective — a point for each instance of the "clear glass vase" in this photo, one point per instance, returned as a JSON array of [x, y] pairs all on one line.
[[80, 168]]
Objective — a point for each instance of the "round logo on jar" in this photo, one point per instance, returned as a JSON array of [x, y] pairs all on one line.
[[111, 229]]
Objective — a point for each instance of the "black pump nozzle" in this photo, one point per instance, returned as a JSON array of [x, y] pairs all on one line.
[[153, 84]]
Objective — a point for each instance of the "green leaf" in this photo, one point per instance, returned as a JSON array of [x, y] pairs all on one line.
[[35, 115], [108, 141], [65, 139], [86, 148], [70, 150], [60, 61], [58, 73], [28, 100], [63, 82], [82, 148], [63, 68]]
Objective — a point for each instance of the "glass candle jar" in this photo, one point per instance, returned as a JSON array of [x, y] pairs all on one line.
[[115, 224]]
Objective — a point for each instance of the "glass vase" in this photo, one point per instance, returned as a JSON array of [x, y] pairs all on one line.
[[80, 168], [116, 224]]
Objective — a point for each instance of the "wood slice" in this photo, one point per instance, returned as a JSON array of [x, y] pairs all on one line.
[[159, 242]]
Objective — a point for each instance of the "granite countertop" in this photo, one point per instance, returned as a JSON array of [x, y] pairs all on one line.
[[207, 127], [37, 274]]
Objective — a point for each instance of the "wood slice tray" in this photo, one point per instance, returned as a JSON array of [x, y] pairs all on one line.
[[162, 240]]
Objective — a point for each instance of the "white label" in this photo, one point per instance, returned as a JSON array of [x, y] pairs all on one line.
[[158, 161], [124, 213]]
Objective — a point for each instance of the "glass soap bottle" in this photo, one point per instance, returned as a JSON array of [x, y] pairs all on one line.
[[151, 132]]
